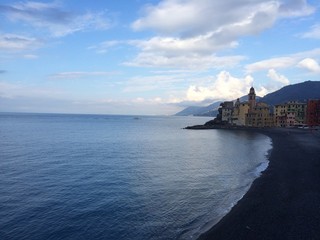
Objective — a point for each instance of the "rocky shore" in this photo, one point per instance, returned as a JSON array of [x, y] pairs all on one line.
[[284, 203]]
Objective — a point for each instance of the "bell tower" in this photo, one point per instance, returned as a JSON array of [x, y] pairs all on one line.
[[252, 99]]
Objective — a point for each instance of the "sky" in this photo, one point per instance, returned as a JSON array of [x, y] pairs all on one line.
[[151, 57]]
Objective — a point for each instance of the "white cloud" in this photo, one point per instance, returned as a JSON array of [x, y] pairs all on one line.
[[148, 83], [223, 87], [192, 53], [192, 31], [262, 91], [199, 45], [53, 18], [281, 62], [195, 62], [27, 98], [277, 77], [191, 17], [310, 64], [13, 42], [274, 63]]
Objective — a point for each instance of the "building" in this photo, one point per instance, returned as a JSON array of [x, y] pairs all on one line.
[[290, 114], [280, 115], [248, 113], [239, 113], [260, 116], [226, 113], [298, 111], [313, 113]]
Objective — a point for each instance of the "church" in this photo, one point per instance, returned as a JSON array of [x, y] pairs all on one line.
[[249, 113], [259, 114]]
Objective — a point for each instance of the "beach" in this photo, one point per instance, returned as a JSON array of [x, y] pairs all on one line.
[[284, 202]]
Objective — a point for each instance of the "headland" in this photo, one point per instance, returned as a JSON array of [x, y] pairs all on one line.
[[284, 202]]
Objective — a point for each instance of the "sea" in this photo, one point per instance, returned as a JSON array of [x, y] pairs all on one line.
[[69, 176]]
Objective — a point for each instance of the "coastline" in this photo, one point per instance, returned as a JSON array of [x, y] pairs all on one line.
[[284, 202]]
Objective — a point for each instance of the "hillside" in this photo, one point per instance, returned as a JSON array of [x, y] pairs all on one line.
[[295, 92], [210, 110]]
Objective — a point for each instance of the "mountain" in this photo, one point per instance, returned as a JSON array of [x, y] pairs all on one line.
[[296, 92], [210, 110]]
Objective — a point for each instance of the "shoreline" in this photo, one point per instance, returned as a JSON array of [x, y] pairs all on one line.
[[284, 202]]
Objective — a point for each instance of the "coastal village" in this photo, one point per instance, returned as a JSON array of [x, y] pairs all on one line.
[[252, 113]]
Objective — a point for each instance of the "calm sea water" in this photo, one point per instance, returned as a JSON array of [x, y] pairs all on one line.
[[120, 177]]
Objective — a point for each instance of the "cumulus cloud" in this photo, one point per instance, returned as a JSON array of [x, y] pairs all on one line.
[[198, 29], [52, 17], [283, 62], [223, 86], [202, 90], [310, 64], [277, 77], [191, 17]]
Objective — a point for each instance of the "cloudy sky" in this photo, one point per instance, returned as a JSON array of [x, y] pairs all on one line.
[[151, 56]]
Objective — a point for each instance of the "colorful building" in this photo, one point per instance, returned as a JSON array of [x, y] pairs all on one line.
[[259, 114], [290, 114], [313, 113]]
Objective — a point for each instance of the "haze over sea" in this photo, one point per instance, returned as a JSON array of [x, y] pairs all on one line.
[[120, 177]]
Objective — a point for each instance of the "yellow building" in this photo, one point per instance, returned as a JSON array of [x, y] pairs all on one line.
[[260, 116], [248, 113], [280, 118], [239, 113]]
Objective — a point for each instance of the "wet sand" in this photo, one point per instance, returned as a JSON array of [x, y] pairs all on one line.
[[284, 203]]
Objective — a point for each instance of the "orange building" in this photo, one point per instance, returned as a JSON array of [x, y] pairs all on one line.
[[313, 112]]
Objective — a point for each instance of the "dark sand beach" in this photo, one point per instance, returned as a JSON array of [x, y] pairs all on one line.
[[284, 203]]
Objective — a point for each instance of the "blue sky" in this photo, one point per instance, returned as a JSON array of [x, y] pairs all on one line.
[[151, 56]]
